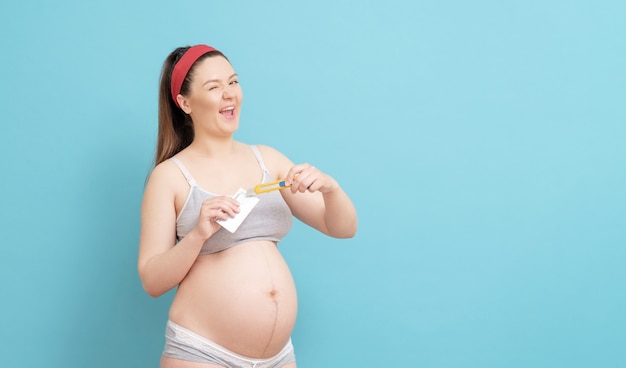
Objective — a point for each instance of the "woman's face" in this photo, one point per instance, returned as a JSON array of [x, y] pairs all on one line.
[[214, 100]]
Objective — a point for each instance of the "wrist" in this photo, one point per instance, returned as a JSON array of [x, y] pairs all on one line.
[[332, 187], [197, 236]]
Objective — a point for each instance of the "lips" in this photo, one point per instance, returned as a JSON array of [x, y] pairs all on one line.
[[228, 111]]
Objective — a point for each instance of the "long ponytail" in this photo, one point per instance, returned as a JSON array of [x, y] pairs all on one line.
[[175, 130]]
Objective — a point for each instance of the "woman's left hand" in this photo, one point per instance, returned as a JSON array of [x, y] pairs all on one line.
[[307, 178]]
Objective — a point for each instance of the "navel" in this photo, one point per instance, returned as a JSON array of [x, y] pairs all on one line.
[[273, 293]]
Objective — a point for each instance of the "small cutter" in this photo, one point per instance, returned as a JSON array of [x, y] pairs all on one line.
[[267, 187]]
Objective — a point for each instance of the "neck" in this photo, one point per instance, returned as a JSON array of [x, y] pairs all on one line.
[[212, 147]]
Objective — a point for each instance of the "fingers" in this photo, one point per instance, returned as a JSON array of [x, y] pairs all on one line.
[[305, 177], [220, 208]]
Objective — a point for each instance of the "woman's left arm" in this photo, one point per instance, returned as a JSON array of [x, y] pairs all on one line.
[[314, 197]]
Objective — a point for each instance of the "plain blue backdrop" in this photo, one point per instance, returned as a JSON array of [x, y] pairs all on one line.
[[482, 142]]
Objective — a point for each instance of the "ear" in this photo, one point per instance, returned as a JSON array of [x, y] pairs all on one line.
[[184, 105]]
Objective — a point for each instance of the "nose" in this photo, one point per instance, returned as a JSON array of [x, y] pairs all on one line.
[[228, 93]]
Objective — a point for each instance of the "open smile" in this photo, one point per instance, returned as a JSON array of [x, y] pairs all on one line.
[[228, 112]]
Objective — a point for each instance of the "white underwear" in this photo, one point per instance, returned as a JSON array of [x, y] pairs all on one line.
[[183, 344]]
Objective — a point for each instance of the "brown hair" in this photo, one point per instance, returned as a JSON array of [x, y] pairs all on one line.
[[175, 127]]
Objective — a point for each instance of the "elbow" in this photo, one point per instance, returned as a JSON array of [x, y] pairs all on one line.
[[346, 232], [351, 231], [151, 287], [352, 234], [152, 291], [155, 295]]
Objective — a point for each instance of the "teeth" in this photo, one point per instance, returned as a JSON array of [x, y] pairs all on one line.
[[229, 108]]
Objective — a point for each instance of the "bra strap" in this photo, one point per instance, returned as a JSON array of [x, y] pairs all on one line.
[[183, 169], [259, 158]]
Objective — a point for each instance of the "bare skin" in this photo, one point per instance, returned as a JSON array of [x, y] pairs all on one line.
[[242, 298]]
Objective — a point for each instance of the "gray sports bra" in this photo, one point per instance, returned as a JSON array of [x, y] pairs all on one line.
[[270, 219]]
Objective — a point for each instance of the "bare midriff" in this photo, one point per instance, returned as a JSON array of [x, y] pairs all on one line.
[[242, 298]]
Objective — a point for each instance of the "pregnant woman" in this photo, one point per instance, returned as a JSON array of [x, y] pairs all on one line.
[[235, 303]]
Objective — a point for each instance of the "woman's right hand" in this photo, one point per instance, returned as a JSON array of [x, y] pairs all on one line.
[[212, 210]]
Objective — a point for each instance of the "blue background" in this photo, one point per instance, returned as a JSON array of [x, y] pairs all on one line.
[[482, 143]]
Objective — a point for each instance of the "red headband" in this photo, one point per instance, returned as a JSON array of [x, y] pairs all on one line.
[[183, 65]]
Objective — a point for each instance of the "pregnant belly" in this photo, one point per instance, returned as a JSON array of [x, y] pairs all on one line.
[[242, 298]]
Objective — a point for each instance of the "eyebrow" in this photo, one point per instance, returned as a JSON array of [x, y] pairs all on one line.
[[217, 80]]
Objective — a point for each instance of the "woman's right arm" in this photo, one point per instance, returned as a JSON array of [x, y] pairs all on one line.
[[162, 263]]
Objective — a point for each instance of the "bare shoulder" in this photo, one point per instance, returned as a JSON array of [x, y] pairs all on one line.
[[166, 178], [268, 151], [277, 163], [163, 173]]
